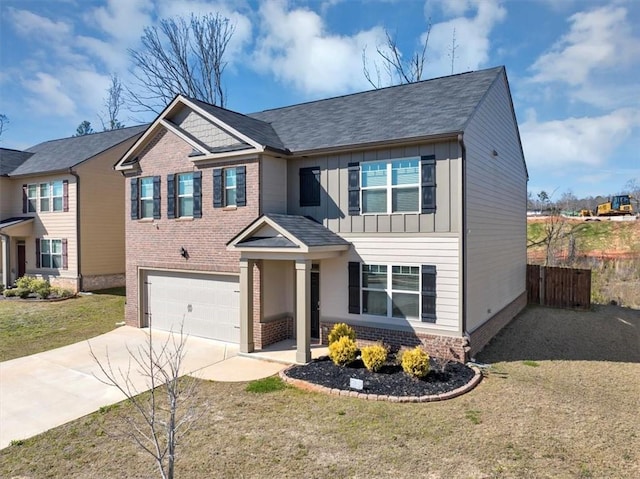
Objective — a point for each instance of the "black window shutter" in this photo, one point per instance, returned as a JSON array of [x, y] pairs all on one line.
[[310, 186], [24, 199], [428, 293], [65, 254], [171, 196], [134, 198], [197, 194], [241, 186], [37, 252], [354, 287], [354, 189], [428, 177], [65, 195], [217, 188], [156, 198]]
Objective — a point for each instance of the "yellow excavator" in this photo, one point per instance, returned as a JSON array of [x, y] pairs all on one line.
[[616, 206]]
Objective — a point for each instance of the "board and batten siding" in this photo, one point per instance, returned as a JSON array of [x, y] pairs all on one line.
[[7, 200], [496, 197], [273, 185], [442, 251], [333, 211]]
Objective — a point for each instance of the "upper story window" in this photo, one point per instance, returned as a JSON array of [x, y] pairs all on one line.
[[185, 194], [230, 187], [49, 196], [145, 197], [403, 185], [391, 187], [310, 186]]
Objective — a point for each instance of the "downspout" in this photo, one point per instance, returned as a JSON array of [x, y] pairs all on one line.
[[78, 227], [463, 235]]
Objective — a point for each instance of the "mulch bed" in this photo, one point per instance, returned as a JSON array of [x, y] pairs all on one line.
[[389, 381]]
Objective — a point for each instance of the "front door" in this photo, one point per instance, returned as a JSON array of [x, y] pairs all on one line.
[[315, 302], [22, 260]]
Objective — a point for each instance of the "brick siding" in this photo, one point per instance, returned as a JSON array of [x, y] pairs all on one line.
[[156, 244]]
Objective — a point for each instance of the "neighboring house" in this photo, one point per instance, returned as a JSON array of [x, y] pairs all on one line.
[[400, 211], [61, 211]]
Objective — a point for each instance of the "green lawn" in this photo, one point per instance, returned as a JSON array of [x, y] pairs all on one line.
[[31, 327], [559, 401]]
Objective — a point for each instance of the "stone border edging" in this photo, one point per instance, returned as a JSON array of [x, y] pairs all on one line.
[[308, 386]]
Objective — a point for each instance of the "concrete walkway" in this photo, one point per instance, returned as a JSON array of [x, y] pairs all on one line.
[[47, 389]]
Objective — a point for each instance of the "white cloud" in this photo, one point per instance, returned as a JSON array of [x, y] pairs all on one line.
[[576, 142], [37, 27], [49, 96], [597, 39], [294, 46], [472, 36]]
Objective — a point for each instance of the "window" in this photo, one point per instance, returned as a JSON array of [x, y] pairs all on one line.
[[185, 194], [403, 185], [32, 195], [230, 187], [393, 291], [310, 186], [50, 196], [146, 197], [51, 253], [391, 187]]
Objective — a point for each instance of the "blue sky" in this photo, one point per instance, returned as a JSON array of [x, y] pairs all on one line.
[[573, 66]]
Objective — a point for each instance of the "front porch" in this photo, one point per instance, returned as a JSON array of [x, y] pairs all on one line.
[[287, 248], [285, 351]]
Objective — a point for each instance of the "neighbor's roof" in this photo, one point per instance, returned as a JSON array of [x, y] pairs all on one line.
[[427, 108], [11, 159], [56, 155]]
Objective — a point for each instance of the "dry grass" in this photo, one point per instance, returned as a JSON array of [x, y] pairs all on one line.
[[572, 416], [32, 327]]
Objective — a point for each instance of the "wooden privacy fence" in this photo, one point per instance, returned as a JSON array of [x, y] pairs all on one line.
[[559, 287]]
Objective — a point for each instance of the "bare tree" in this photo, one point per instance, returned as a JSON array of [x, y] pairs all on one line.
[[181, 56], [4, 122], [168, 411], [395, 67], [112, 103], [452, 50]]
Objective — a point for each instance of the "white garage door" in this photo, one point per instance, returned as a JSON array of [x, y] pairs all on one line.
[[208, 304]]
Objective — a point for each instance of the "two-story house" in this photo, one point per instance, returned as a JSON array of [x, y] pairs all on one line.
[[400, 211], [61, 211]]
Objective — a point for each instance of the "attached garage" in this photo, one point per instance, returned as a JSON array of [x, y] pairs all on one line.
[[208, 304]]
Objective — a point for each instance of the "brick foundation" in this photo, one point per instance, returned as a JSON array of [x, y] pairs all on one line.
[[482, 335], [450, 347], [93, 283], [272, 331]]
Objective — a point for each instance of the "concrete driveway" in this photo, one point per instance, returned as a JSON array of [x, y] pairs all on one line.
[[45, 390]]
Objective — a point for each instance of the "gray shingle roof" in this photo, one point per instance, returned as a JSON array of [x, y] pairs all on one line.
[[430, 107], [307, 230], [11, 159], [56, 155], [257, 130]]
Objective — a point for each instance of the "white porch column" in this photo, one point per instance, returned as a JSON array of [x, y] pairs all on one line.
[[6, 260], [303, 311], [246, 306]]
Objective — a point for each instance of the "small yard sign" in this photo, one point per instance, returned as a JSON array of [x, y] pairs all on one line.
[[356, 384]]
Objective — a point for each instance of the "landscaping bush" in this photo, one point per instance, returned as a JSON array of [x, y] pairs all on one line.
[[374, 356], [24, 282], [22, 293], [10, 293], [41, 287], [340, 330], [62, 292], [343, 351], [415, 362], [28, 284]]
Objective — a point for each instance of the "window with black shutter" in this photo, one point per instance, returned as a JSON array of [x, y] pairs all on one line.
[[134, 198], [428, 293], [310, 186], [197, 194], [354, 287], [354, 189], [171, 196], [156, 197]]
